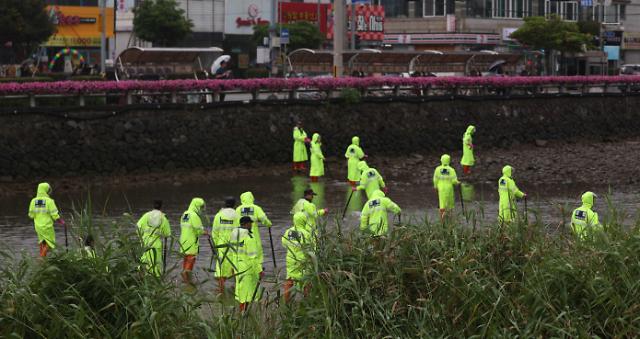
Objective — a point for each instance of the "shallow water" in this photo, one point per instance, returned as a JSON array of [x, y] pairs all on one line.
[[278, 193]]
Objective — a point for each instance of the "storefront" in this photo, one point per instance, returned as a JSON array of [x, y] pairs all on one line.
[[631, 48], [77, 36]]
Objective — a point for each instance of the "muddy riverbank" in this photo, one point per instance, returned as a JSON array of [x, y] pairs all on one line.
[[543, 162]]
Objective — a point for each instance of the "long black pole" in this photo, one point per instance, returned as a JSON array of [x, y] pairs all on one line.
[[66, 239], [347, 205], [461, 200], [526, 211], [273, 252], [164, 256]]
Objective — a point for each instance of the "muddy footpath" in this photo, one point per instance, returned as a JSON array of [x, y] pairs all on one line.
[[615, 163]]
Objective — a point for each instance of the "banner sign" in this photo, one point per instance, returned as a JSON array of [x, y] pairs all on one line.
[[299, 11], [369, 22]]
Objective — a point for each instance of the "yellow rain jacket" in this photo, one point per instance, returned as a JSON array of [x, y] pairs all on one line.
[[191, 227], [317, 158], [310, 211], [354, 154], [467, 147], [151, 227], [249, 209], [584, 221], [44, 213], [374, 217], [298, 242], [224, 223], [508, 192], [370, 179], [444, 179], [244, 255], [299, 148]]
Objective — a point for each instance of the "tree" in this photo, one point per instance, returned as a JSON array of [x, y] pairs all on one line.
[[25, 25], [161, 21], [302, 34], [553, 34]]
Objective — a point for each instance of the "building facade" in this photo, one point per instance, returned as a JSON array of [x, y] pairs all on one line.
[[78, 28], [483, 24]]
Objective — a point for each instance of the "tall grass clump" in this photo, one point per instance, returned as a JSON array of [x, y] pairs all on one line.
[[70, 295], [433, 280]]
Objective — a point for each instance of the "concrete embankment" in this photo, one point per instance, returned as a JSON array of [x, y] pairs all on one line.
[[140, 140]]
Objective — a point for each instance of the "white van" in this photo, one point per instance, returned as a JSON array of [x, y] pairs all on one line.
[[630, 69]]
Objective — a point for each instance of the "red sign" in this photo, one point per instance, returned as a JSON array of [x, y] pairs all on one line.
[[61, 19], [299, 11], [369, 22], [250, 21], [253, 17]]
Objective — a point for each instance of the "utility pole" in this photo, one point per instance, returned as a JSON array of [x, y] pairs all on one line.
[[318, 15], [272, 35], [353, 24], [339, 31], [103, 37]]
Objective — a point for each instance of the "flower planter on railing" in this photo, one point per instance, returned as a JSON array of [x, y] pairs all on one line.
[[184, 91]]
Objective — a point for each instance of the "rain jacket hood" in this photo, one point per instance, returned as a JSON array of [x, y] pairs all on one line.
[[587, 199], [228, 212], [247, 198], [362, 166], [507, 171], [377, 194], [315, 138], [196, 205], [355, 141], [470, 130], [299, 220], [445, 159], [43, 190]]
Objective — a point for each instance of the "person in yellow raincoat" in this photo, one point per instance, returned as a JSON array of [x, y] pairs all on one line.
[[224, 222], [508, 192], [44, 212], [370, 180], [354, 154], [444, 181], [374, 218], [306, 206], [152, 226], [298, 242], [468, 160], [584, 221], [249, 209], [317, 158], [245, 258], [300, 140], [190, 230]]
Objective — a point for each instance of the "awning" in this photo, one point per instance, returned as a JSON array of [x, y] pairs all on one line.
[[139, 62]]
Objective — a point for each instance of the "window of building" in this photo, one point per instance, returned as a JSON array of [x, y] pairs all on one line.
[[566, 10], [511, 8], [606, 14], [393, 8], [434, 7]]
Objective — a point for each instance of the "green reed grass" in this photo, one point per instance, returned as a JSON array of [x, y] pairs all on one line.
[[425, 279]]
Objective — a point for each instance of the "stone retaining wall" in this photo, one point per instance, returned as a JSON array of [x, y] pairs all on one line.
[[139, 140]]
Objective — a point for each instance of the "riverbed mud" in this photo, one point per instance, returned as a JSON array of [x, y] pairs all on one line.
[[543, 162]]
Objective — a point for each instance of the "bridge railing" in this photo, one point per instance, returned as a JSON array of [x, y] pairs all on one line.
[[124, 93]]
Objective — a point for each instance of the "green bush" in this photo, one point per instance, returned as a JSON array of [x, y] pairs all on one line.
[[350, 96]]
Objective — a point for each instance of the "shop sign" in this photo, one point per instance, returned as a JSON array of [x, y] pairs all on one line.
[[242, 15], [612, 38], [369, 22], [631, 40], [78, 25], [298, 11]]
